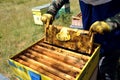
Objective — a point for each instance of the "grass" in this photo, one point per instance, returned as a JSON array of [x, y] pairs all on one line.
[[18, 31]]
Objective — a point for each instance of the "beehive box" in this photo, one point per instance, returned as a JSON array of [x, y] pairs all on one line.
[[40, 10], [43, 61], [79, 40], [77, 21], [37, 13]]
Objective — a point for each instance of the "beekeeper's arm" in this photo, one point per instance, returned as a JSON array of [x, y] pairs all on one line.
[[107, 25], [52, 10]]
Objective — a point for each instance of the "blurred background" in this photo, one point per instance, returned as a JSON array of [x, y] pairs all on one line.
[[18, 30]]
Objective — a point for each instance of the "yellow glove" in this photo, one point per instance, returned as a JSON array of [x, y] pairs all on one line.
[[47, 19], [100, 27]]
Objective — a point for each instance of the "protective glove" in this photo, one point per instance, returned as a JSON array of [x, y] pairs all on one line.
[[47, 19], [100, 27]]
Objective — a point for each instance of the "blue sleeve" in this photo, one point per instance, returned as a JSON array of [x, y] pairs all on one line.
[[109, 41], [91, 13]]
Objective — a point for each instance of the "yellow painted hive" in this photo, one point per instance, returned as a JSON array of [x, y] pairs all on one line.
[[43, 61]]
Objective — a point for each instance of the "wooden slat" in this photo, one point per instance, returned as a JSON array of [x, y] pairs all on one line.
[[37, 68], [66, 52], [49, 69], [54, 63], [65, 58]]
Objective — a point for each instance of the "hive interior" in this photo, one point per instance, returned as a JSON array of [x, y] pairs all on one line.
[[53, 61]]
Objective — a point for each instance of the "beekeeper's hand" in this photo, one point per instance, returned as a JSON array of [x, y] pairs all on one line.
[[47, 18], [100, 27]]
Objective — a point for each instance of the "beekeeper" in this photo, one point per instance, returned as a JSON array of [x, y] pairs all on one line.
[[103, 18]]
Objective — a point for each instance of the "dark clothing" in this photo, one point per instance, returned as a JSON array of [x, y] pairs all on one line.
[[55, 6], [109, 41], [108, 66]]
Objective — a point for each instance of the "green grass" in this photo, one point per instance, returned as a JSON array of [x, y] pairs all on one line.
[[18, 31]]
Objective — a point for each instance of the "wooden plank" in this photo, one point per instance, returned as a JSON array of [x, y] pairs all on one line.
[[65, 68], [56, 55], [66, 52], [39, 69], [49, 69]]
